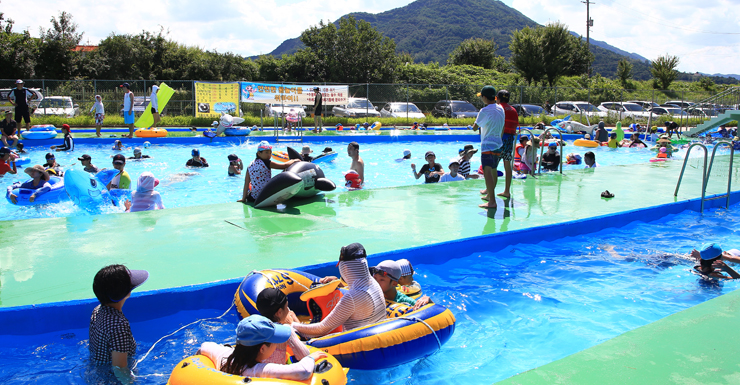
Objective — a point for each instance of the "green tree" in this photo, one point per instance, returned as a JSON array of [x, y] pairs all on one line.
[[624, 72], [476, 52], [706, 83], [353, 52], [18, 52], [664, 70], [56, 60], [526, 54], [547, 53]]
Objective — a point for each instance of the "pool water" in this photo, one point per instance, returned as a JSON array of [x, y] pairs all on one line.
[[516, 309], [181, 186]]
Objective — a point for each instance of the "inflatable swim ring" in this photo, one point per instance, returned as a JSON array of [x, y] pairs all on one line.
[[151, 133], [375, 126], [280, 156], [55, 195], [238, 131], [388, 343], [43, 127], [326, 158], [199, 370], [585, 143], [22, 161], [659, 159], [40, 132]]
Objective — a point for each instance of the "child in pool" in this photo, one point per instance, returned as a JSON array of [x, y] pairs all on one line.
[[259, 172], [406, 283], [257, 339], [387, 274], [273, 304], [710, 262], [235, 165]]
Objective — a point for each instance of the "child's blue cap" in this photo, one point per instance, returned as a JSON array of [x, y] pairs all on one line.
[[257, 329], [553, 144], [710, 251], [195, 152]]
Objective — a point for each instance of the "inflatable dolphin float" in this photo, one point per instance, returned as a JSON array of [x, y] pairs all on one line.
[[302, 180]]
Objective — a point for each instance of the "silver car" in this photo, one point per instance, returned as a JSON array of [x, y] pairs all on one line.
[[356, 108], [58, 105], [277, 110], [577, 108], [401, 110]]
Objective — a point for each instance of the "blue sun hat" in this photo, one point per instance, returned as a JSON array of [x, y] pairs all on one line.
[[710, 251], [257, 329], [264, 145]]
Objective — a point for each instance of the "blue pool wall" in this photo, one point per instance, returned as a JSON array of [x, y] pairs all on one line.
[[143, 306]]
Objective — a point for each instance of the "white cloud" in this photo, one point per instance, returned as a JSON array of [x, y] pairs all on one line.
[[653, 28], [253, 27]]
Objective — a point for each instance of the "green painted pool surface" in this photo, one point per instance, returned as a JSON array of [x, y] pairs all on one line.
[[55, 259], [696, 346]]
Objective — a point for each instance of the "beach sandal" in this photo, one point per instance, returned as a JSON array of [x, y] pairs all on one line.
[[607, 194]]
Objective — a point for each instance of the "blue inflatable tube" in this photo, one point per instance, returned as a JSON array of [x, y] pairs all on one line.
[[328, 157], [237, 131], [392, 342], [39, 135], [291, 282], [55, 195], [43, 127], [105, 176], [22, 161]]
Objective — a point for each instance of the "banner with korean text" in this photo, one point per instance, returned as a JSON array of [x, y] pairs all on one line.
[[212, 99], [270, 93]]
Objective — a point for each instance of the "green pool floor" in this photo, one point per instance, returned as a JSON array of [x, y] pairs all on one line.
[[55, 259]]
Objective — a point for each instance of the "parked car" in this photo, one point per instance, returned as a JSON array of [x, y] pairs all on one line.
[[58, 105], [680, 103], [33, 104], [401, 110], [529, 110], [577, 108], [356, 108], [454, 109], [670, 105], [624, 110], [277, 110], [140, 103], [673, 111], [645, 104]]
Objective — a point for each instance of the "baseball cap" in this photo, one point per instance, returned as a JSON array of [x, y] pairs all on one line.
[[85, 157], [351, 252], [327, 149], [406, 268], [257, 329], [126, 85], [468, 148], [406, 152], [195, 152], [19, 81], [488, 91], [710, 251], [137, 150], [214, 124], [8, 112], [366, 124], [49, 155], [137, 277], [428, 154], [270, 300], [4, 151], [454, 161], [316, 88], [119, 159], [232, 157], [391, 268], [65, 125], [553, 144], [503, 94], [586, 136], [264, 146]]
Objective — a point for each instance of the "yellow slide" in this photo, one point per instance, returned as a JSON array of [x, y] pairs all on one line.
[[163, 96]]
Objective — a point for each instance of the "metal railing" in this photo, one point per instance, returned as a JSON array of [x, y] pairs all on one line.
[[707, 171]]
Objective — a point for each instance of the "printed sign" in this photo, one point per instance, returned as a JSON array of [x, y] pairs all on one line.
[[213, 99], [268, 93]]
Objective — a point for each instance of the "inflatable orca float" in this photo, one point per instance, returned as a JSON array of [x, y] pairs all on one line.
[[227, 122], [89, 192], [302, 180]]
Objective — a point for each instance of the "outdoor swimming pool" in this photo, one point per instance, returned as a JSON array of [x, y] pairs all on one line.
[[181, 186], [516, 309]]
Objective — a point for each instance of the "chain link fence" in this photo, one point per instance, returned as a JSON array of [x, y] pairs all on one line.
[[427, 98]]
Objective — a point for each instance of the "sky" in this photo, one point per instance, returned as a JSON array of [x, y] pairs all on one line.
[[705, 36]]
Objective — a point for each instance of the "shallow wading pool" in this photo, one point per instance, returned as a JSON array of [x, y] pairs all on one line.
[[523, 306]]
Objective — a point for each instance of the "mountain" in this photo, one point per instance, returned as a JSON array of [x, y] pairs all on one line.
[[734, 76], [430, 29]]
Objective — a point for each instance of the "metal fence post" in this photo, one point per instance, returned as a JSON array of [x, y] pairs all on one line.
[[521, 95], [195, 107], [367, 96]]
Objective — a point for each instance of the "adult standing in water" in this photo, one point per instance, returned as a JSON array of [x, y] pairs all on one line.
[[318, 110], [155, 105], [490, 121], [353, 150], [21, 95], [128, 108]]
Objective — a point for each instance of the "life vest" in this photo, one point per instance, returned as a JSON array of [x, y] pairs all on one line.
[[662, 155], [517, 157], [320, 307]]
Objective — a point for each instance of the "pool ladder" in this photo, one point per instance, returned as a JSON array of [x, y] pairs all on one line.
[[542, 148], [707, 172], [290, 138]]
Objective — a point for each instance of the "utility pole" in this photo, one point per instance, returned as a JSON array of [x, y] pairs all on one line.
[[589, 24]]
